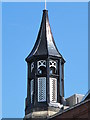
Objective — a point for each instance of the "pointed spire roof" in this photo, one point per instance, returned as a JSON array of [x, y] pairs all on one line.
[[45, 44]]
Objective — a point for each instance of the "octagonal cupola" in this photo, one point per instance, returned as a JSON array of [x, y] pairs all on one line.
[[45, 86]]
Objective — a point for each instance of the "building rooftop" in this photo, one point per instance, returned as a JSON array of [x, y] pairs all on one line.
[[71, 108]]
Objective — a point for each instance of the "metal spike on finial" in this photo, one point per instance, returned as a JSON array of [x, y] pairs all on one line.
[[45, 4]]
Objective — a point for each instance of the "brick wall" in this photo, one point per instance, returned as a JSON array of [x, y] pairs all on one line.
[[81, 110]]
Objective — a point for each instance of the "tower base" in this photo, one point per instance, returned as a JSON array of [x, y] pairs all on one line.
[[43, 113]]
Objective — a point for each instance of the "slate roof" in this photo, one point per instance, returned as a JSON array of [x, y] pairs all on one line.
[[87, 96], [45, 44], [56, 116]]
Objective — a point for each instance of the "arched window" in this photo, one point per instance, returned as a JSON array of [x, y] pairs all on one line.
[[53, 67], [32, 67], [41, 66]]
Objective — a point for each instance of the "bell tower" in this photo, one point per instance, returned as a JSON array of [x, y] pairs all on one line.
[[45, 80]]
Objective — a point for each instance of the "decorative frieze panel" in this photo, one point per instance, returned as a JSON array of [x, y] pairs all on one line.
[[53, 63], [41, 63]]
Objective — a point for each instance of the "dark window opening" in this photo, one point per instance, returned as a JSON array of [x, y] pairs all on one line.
[[42, 70], [53, 70]]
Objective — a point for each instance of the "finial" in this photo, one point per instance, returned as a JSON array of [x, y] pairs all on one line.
[[45, 4]]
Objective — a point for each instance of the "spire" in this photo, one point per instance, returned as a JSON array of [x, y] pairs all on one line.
[[45, 4], [45, 75], [45, 44]]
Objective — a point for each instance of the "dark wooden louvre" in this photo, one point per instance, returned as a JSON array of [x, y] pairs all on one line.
[[53, 90], [42, 89]]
